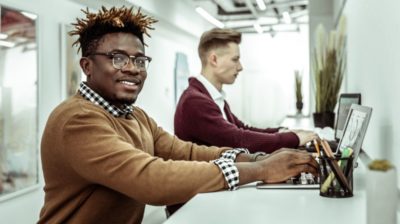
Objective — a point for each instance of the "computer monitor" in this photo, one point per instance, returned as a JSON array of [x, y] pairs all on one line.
[[355, 129], [345, 101]]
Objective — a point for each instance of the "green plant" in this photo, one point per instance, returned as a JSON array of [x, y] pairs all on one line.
[[329, 65], [380, 165], [298, 83]]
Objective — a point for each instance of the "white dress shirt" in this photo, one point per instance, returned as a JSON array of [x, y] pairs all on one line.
[[217, 96]]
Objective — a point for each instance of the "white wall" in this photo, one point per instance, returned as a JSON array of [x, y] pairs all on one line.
[[157, 96], [264, 92], [373, 69], [49, 82]]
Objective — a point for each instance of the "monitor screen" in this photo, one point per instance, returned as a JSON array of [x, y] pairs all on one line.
[[355, 129], [345, 102]]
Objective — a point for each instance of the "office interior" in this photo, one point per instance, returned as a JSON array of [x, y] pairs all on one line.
[[373, 70]]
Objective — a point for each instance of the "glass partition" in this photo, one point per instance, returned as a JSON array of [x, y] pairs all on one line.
[[18, 102]]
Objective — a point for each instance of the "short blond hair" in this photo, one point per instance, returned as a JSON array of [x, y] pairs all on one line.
[[216, 38]]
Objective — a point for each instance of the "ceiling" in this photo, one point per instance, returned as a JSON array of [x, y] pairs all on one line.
[[241, 15]]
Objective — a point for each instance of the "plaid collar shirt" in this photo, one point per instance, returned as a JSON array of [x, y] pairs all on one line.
[[87, 93]]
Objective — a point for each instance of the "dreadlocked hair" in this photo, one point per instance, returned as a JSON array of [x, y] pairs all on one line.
[[92, 28]]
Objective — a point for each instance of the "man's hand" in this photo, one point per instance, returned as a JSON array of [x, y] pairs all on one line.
[[305, 136], [285, 163]]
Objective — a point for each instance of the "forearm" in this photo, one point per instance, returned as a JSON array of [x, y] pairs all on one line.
[[249, 172], [243, 157], [171, 147], [248, 168]]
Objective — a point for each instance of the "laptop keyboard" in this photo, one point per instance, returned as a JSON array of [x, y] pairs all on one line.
[[303, 179]]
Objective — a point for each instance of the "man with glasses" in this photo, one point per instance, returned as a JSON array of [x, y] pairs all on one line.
[[103, 159], [204, 117]]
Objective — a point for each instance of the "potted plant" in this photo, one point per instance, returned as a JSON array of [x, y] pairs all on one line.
[[329, 65], [299, 94]]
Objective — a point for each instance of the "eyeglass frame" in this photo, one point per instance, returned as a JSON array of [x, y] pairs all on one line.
[[132, 59]]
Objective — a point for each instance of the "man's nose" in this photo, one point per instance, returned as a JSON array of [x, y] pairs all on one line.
[[240, 68]]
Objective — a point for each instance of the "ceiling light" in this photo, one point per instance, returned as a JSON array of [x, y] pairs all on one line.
[[261, 4], [3, 36], [29, 15], [258, 28], [285, 27], [286, 17], [7, 43], [267, 20], [209, 17]]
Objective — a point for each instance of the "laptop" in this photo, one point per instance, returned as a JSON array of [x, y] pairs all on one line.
[[353, 135], [345, 101]]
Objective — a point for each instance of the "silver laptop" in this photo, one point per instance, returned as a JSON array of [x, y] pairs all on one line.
[[354, 132], [344, 104]]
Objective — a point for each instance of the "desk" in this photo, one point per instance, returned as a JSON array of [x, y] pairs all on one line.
[[249, 205], [298, 122]]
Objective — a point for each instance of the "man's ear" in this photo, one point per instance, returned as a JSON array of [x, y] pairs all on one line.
[[86, 65], [213, 59]]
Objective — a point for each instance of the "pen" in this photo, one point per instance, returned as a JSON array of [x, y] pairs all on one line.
[[327, 149], [316, 147]]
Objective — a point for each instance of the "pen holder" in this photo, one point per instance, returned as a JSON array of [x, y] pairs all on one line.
[[336, 177]]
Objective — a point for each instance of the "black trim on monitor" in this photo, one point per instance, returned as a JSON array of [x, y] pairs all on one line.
[[344, 96]]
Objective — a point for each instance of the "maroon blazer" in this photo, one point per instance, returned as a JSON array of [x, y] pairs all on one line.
[[198, 119]]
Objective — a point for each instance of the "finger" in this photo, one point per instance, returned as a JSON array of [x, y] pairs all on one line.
[[311, 169], [300, 151], [313, 136], [314, 163], [281, 150], [307, 169], [305, 158]]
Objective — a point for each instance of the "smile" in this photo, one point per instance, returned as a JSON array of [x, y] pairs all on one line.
[[128, 83]]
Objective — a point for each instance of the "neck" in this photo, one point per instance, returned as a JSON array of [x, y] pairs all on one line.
[[209, 75]]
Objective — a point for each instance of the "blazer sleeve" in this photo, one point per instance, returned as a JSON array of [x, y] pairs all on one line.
[[201, 120]]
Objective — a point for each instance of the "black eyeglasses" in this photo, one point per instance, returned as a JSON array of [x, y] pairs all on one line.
[[120, 60]]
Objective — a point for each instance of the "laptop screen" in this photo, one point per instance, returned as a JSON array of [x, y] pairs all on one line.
[[345, 101], [355, 129]]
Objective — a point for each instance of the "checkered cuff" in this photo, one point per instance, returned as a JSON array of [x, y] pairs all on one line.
[[230, 172], [231, 154]]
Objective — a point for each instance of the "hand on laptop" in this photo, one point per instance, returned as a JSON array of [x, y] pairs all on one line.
[[305, 136], [286, 163]]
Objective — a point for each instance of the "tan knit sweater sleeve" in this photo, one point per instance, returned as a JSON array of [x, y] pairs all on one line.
[[95, 147], [170, 146]]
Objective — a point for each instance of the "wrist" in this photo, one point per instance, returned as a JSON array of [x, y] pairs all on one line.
[[254, 156], [243, 157]]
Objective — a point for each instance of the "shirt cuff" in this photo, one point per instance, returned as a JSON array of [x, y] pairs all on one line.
[[231, 154], [230, 172]]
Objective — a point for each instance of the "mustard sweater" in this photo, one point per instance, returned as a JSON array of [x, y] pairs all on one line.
[[102, 169]]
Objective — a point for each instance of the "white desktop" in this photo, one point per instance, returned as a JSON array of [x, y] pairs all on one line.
[[251, 205]]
